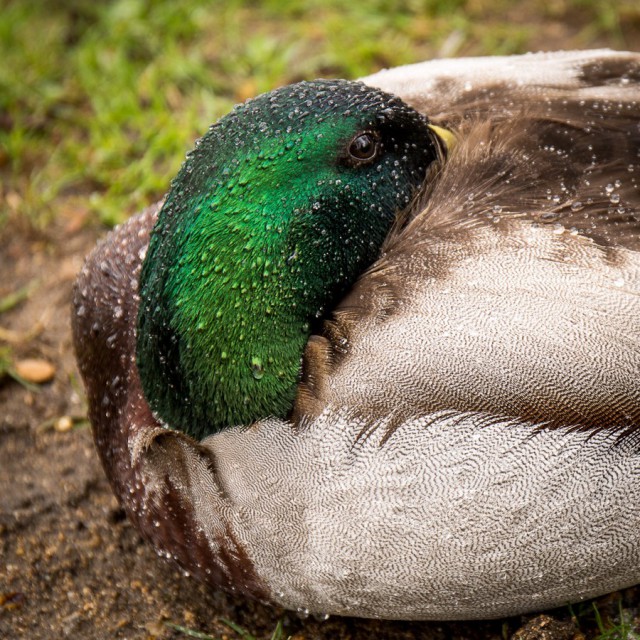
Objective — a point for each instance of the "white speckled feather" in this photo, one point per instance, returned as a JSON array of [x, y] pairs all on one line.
[[454, 517]]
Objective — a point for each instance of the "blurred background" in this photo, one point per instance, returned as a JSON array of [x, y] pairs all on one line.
[[99, 101]]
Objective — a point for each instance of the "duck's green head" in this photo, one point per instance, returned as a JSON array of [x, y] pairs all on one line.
[[274, 214]]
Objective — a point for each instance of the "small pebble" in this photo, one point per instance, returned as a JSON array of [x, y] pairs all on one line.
[[35, 370], [63, 424], [156, 629]]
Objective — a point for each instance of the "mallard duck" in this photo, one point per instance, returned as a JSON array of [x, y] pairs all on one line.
[[377, 353]]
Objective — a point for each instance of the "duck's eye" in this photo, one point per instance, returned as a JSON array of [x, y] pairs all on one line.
[[365, 147]]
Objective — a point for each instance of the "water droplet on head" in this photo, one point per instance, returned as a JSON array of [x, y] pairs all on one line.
[[257, 368]]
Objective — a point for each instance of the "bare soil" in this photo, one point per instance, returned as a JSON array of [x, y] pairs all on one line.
[[71, 565]]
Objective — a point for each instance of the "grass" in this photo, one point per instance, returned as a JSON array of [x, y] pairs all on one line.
[[243, 634], [622, 628], [100, 101], [7, 303], [619, 626]]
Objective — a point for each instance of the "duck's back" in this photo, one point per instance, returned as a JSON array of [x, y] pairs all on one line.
[[514, 289]]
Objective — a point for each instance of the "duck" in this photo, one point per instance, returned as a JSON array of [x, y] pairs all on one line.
[[377, 351]]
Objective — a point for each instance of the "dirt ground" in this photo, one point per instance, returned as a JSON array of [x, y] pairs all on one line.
[[71, 566]]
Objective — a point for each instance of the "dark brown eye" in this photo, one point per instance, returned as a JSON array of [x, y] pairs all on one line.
[[364, 147]]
